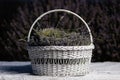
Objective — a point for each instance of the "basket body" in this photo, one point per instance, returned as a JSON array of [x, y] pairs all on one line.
[[60, 60]]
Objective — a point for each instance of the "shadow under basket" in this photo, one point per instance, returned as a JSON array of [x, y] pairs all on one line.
[[60, 60]]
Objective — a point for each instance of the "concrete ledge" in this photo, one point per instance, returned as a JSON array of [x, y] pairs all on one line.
[[23, 71]]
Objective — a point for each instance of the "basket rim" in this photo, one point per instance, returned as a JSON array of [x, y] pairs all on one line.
[[85, 47]]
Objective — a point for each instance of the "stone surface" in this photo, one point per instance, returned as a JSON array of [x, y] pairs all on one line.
[[23, 71]]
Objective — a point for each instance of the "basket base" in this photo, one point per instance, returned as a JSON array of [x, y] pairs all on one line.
[[60, 70]]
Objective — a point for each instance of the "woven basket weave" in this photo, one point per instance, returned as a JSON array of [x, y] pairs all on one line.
[[60, 60]]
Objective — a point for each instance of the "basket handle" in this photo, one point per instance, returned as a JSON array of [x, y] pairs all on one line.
[[59, 10]]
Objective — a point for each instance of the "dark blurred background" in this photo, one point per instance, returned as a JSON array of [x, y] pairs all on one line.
[[103, 17]]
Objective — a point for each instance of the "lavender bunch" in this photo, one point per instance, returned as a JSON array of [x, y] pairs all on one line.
[[56, 37]]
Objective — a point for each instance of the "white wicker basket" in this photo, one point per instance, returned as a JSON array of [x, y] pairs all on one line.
[[60, 60]]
